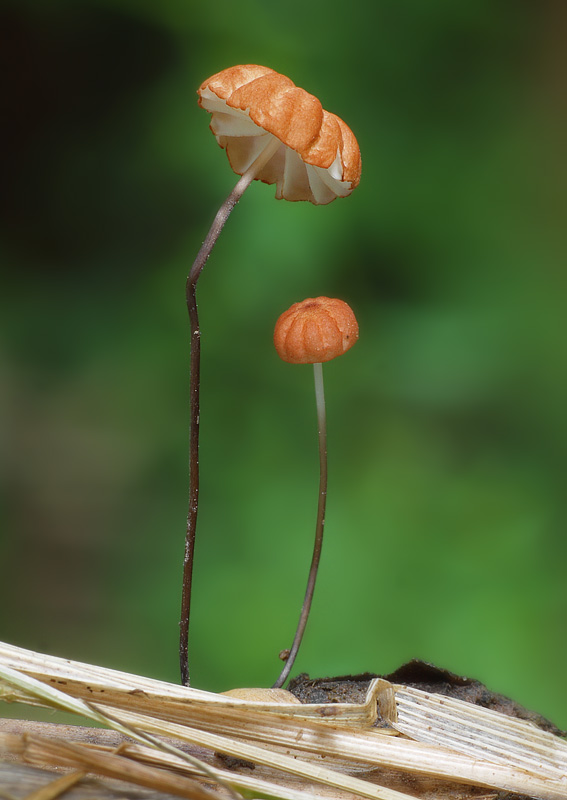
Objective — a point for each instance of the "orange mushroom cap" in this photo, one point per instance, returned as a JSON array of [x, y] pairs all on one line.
[[315, 330], [319, 158]]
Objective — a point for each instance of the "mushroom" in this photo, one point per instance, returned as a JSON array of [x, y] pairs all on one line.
[[311, 332], [277, 133], [261, 118]]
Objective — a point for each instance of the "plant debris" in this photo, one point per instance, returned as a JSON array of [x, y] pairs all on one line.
[[416, 674]]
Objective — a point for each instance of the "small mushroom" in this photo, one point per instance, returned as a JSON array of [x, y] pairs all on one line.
[[312, 332], [277, 133]]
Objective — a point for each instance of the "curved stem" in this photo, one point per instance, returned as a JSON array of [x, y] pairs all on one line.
[[305, 608], [195, 370]]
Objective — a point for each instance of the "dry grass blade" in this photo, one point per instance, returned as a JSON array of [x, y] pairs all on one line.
[[57, 787], [249, 783], [136, 726], [114, 765], [482, 734], [479, 732], [441, 739], [36, 690], [266, 757], [92, 682], [30, 748], [363, 749]]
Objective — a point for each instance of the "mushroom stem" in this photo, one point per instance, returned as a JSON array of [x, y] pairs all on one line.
[[305, 608], [195, 371]]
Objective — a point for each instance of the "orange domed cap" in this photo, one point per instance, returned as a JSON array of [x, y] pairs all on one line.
[[315, 330], [319, 158]]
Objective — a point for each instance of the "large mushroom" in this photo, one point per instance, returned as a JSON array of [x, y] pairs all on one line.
[[267, 123], [313, 331], [275, 132]]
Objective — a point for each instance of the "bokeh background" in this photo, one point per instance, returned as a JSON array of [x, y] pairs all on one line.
[[445, 535]]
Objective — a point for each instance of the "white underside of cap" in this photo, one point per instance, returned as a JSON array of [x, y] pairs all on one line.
[[244, 142]]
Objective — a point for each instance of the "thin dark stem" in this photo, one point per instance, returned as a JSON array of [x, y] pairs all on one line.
[[194, 392], [305, 608], [195, 370]]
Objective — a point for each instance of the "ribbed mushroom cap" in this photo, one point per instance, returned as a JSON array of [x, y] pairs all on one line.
[[315, 330], [319, 158]]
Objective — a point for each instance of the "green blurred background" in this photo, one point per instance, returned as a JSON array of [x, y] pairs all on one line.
[[445, 535]]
